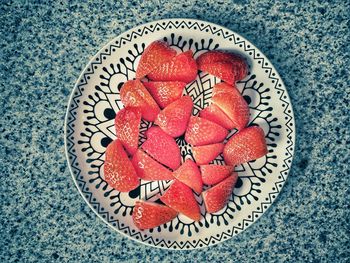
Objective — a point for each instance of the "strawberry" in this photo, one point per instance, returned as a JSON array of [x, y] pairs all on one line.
[[149, 215], [217, 197], [183, 68], [232, 103], [127, 124], [157, 53], [221, 88], [180, 198], [205, 154], [119, 173], [165, 93], [213, 174], [215, 114], [188, 173], [201, 132], [173, 119], [247, 145], [234, 66], [214, 56], [149, 169], [222, 70], [162, 147], [134, 94]]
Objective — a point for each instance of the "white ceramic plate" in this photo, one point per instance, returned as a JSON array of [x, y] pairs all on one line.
[[90, 127]]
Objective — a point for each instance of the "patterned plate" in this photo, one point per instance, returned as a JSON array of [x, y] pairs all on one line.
[[89, 129]]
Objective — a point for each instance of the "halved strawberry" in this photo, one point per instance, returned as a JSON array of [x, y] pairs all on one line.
[[217, 197], [201, 132], [149, 215], [183, 68], [173, 119], [213, 174], [232, 104], [221, 88], [222, 70], [180, 197], [134, 94], [149, 169], [165, 92], [127, 124], [247, 145], [234, 63], [213, 56], [205, 154], [162, 147], [157, 53], [189, 174], [118, 170], [215, 114]]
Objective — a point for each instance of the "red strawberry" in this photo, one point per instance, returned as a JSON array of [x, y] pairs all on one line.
[[180, 197], [214, 56], [205, 154], [134, 94], [189, 174], [222, 70], [247, 145], [162, 147], [127, 123], [157, 53], [183, 68], [173, 119], [149, 169], [217, 197], [165, 93], [149, 215], [236, 64], [201, 132], [213, 174], [118, 170], [232, 104], [215, 114], [221, 88]]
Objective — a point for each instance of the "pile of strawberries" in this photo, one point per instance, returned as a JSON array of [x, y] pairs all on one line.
[[160, 100]]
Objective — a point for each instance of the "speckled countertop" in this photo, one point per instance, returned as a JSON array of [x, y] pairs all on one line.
[[44, 47]]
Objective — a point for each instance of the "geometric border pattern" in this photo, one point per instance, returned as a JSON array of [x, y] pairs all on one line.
[[138, 32]]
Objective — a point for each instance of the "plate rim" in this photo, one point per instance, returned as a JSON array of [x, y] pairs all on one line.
[[83, 71]]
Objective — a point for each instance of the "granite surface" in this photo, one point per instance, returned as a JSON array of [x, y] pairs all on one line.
[[44, 47]]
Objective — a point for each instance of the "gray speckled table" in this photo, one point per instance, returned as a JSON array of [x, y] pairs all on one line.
[[43, 50]]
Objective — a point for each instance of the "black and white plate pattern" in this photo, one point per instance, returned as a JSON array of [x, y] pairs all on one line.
[[90, 128]]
